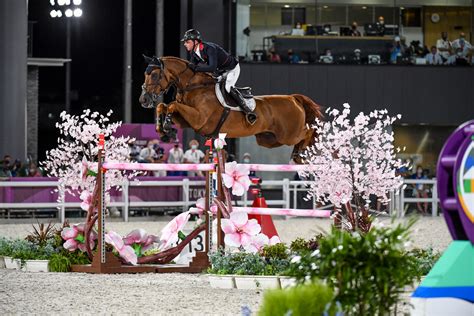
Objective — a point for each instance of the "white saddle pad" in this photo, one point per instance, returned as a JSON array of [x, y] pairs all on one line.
[[250, 102]]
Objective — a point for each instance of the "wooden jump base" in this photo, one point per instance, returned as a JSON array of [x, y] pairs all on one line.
[[106, 262]]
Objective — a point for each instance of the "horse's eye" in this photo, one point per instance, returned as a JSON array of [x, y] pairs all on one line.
[[154, 76]]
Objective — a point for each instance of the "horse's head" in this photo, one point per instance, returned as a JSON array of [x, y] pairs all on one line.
[[155, 82]]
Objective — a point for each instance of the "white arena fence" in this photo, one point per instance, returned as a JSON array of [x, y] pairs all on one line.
[[291, 193]]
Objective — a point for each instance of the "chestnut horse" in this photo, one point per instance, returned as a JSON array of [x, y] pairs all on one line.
[[282, 119]]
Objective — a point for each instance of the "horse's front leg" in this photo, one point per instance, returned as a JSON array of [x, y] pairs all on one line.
[[190, 114], [160, 117]]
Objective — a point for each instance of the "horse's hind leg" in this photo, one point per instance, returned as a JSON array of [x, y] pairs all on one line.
[[268, 140]]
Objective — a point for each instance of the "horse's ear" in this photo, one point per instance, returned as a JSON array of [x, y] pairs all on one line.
[[157, 61], [148, 60]]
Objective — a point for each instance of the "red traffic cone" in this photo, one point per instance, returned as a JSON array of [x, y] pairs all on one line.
[[265, 221]]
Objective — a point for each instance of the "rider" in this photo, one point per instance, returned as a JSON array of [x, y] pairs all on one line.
[[210, 57]]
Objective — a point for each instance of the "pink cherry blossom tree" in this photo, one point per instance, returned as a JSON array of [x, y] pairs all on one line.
[[352, 161], [74, 160]]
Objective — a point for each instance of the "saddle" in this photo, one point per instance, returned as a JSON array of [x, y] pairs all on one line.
[[228, 101]]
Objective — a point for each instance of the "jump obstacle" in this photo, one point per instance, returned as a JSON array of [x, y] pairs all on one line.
[[104, 261]]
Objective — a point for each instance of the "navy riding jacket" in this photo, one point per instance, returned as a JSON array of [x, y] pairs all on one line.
[[213, 58]]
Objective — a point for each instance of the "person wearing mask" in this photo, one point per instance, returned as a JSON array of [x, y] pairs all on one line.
[[354, 31], [380, 26], [420, 190], [445, 49], [273, 57], [5, 170], [147, 154], [176, 155], [17, 169], [434, 58], [397, 50], [33, 171], [463, 48], [298, 30], [246, 158], [292, 57], [194, 155]]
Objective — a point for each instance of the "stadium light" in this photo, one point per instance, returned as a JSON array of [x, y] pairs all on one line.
[[68, 13], [77, 2], [77, 12]]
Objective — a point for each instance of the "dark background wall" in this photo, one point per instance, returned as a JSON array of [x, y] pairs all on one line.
[[432, 95]]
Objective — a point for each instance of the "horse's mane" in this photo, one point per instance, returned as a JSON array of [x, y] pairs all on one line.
[[181, 60]]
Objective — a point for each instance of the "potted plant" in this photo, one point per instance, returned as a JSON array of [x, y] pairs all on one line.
[[5, 251]]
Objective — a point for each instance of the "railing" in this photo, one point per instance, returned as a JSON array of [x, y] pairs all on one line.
[[397, 205]]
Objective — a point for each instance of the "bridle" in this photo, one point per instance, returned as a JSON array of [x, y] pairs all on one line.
[[158, 63]]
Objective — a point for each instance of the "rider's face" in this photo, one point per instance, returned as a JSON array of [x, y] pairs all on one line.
[[189, 45]]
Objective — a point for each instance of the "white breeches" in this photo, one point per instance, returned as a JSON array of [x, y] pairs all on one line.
[[232, 77]]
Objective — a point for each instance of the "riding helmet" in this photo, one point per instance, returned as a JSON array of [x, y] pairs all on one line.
[[191, 34]]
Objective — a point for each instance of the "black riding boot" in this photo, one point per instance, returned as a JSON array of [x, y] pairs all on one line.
[[250, 116]]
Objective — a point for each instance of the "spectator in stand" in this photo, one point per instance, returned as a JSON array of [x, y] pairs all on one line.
[[298, 30], [175, 155], [5, 170], [420, 190], [354, 31], [273, 57], [357, 57], [18, 170], [434, 58], [147, 154], [34, 171], [380, 26], [133, 150], [292, 57], [397, 50], [159, 157], [194, 155], [445, 49], [246, 158], [463, 49]]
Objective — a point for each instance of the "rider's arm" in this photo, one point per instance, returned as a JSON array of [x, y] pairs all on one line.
[[212, 61]]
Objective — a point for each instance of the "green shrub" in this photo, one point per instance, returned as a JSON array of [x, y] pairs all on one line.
[[244, 263], [301, 246], [6, 247], [277, 251], [425, 258], [367, 272], [59, 263], [308, 299]]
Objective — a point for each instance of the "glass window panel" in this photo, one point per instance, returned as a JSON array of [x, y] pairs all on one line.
[[334, 15], [273, 15], [299, 15], [360, 14], [311, 15], [390, 14], [257, 15]]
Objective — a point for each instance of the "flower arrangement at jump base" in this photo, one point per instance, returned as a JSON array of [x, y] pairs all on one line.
[[350, 162], [75, 163]]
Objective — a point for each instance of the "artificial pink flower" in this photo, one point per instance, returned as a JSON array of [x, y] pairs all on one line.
[[219, 142], [75, 239], [274, 240], [239, 230], [169, 234], [259, 241], [201, 207], [86, 198], [236, 176], [140, 241], [125, 251]]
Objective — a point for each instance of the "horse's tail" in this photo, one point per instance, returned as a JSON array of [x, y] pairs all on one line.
[[312, 111]]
